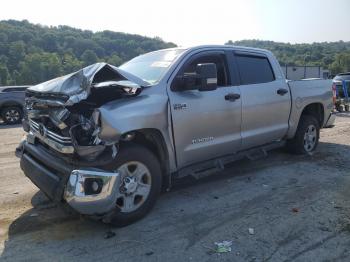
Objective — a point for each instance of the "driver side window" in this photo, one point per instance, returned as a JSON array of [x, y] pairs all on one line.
[[221, 66]]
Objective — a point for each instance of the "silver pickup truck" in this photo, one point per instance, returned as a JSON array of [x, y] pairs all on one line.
[[106, 140]]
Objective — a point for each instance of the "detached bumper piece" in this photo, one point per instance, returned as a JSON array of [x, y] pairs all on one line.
[[89, 191], [92, 192]]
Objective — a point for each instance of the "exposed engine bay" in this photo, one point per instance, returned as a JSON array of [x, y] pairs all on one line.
[[63, 113]]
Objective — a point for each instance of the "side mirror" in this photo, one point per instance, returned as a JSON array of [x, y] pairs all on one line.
[[207, 75], [203, 79]]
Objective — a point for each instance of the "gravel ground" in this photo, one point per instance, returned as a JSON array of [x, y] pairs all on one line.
[[297, 206]]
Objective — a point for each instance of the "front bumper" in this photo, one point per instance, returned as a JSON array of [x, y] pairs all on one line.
[[89, 203], [48, 172], [63, 181]]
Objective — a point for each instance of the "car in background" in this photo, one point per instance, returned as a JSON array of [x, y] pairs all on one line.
[[11, 103], [342, 76], [342, 102]]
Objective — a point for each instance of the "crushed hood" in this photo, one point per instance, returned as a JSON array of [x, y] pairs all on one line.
[[77, 86]]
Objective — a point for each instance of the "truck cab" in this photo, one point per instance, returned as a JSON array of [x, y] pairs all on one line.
[[249, 106]]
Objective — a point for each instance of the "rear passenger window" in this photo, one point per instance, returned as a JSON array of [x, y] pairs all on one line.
[[254, 69]]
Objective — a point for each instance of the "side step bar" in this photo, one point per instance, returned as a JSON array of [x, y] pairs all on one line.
[[209, 167]]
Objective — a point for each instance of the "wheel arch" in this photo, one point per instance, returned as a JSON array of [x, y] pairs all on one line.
[[153, 140], [316, 110]]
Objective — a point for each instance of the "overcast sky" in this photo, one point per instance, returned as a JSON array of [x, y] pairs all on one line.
[[187, 22]]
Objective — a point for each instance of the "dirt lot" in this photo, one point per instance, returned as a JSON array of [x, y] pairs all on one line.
[[299, 208]]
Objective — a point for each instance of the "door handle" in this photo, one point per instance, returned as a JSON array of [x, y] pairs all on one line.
[[232, 97], [282, 91]]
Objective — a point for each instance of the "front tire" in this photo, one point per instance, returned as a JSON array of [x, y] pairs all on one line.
[[141, 183], [306, 137]]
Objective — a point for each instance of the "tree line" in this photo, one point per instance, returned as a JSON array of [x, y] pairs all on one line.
[[334, 56], [32, 53]]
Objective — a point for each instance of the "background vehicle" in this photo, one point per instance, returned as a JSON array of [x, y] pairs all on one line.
[[342, 85], [11, 103], [107, 139]]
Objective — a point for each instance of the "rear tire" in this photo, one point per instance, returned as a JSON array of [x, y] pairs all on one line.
[[145, 162], [12, 115], [306, 137]]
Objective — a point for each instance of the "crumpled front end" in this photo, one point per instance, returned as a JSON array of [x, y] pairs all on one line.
[[63, 153], [63, 113]]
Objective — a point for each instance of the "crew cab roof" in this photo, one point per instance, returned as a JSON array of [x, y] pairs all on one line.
[[198, 47]]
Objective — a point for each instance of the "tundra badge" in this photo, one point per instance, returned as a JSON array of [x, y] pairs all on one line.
[[180, 106], [202, 140]]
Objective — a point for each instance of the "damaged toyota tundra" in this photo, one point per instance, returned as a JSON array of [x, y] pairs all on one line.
[[106, 140]]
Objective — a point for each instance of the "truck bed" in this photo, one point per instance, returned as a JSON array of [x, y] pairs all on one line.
[[309, 91]]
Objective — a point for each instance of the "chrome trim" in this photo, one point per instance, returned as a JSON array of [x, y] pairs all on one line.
[[96, 204], [57, 142], [55, 145], [58, 137], [50, 134]]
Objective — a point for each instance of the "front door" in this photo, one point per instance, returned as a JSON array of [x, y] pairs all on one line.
[[206, 124]]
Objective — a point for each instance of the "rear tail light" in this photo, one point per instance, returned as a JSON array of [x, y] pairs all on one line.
[[334, 90]]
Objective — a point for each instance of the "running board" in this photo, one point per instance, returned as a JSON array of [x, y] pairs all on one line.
[[206, 168], [258, 154]]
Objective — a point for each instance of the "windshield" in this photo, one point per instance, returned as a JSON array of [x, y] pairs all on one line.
[[152, 66]]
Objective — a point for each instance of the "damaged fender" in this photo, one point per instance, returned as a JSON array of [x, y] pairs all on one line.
[[119, 117], [149, 111]]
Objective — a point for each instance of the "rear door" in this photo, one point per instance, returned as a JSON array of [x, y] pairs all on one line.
[[206, 124], [266, 100]]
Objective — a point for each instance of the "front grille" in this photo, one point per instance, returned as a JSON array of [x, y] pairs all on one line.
[[44, 132], [60, 143]]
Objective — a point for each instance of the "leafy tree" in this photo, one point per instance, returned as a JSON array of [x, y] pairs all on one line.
[[16, 78], [89, 57], [341, 63], [39, 67], [16, 53], [70, 63], [31, 53], [49, 42], [114, 59], [4, 75], [331, 56]]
